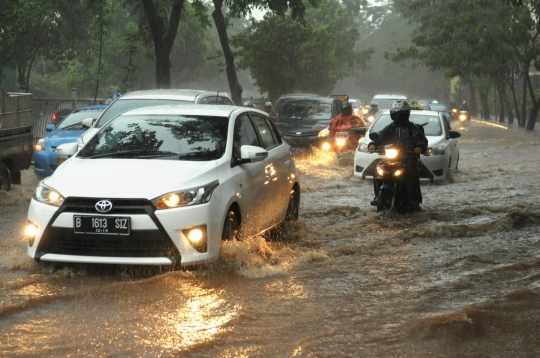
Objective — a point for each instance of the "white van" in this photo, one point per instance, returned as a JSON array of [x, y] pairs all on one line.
[[384, 101]]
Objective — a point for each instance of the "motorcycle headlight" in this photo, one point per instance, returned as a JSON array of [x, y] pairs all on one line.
[[48, 195], [324, 133], [454, 110], [188, 197], [363, 147], [40, 145], [340, 142], [370, 119], [436, 151], [391, 153]]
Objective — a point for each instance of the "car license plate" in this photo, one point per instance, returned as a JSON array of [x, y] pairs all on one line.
[[109, 225], [342, 133]]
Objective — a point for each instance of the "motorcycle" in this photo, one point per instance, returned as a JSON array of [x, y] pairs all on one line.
[[389, 177], [454, 114], [347, 137]]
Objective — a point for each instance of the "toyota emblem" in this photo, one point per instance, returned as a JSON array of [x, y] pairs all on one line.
[[104, 206], [298, 133]]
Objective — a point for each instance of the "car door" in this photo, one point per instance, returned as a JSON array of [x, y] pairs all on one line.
[[249, 179], [278, 168]]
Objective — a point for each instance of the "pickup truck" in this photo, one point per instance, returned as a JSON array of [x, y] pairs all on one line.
[[16, 139]]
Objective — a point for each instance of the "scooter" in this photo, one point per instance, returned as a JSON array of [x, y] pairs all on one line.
[[464, 117], [454, 114], [347, 137], [389, 177]]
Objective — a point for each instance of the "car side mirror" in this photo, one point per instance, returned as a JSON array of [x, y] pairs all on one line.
[[66, 150], [252, 154], [50, 127], [453, 134], [360, 130], [374, 136], [88, 122]]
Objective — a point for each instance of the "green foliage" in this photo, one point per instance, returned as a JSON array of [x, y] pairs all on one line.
[[285, 55]]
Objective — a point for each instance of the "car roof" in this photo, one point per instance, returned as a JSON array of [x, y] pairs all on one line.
[[417, 111], [191, 109], [300, 95], [175, 94], [318, 98], [390, 96], [95, 106]]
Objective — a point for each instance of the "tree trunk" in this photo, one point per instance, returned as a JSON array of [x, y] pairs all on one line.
[[507, 104], [501, 103], [524, 103], [28, 74], [513, 88], [21, 77], [485, 106], [536, 105], [221, 27], [163, 35], [473, 107]]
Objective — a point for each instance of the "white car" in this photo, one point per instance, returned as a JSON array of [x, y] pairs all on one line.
[[156, 97], [443, 148], [165, 185]]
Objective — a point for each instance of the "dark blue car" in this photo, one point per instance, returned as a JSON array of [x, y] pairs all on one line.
[[67, 131]]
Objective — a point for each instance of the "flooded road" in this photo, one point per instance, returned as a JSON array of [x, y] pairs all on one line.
[[462, 277]]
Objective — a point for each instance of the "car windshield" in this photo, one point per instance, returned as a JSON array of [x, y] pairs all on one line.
[[122, 105], [385, 103], [305, 109], [438, 107], [74, 120], [431, 124], [199, 138]]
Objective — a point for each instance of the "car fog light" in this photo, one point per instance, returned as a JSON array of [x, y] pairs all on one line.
[[197, 237], [31, 232], [326, 146]]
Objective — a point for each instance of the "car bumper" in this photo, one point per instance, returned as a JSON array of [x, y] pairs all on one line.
[[155, 238], [437, 165], [45, 162]]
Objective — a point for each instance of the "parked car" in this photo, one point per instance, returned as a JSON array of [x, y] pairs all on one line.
[[384, 101], [138, 99], [303, 120], [164, 186], [68, 130], [443, 147]]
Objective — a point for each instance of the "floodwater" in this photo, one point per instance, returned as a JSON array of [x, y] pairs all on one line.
[[462, 277]]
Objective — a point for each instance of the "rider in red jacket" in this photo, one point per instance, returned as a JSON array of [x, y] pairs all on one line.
[[345, 118]]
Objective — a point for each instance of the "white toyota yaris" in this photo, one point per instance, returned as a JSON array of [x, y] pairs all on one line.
[[165, 185]]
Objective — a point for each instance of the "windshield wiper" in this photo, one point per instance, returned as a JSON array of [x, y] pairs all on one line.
[[197, 155], [139, 153]]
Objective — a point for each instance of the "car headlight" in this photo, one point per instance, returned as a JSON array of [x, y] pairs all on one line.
[[363, 147], [324, 133], [436, 150], [48, 195], [370, 119], [188, 197], [40, 145]]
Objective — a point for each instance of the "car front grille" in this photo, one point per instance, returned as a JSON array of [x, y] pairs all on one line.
[[144, 243], [120, 206]]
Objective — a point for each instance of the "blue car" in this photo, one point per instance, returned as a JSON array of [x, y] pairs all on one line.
[[67, 131]]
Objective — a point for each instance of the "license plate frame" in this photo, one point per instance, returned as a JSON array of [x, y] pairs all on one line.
[[342, 133], [94, 225]]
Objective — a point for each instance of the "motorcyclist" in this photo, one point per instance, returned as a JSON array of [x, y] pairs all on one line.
[[465, 107], [268, 109], [346, 117], [404, 133], [373, 109]]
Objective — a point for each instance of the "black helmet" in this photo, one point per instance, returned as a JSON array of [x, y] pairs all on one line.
[[346, 108], [248, 104], [400, 113]]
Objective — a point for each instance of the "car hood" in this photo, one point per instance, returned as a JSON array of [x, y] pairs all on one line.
[[55, 138], [303, 126], [129, 178]]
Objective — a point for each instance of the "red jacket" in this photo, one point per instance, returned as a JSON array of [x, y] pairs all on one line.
[[341, 120]]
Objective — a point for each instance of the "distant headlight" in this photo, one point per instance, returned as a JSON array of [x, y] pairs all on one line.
[[40, 145], [194, 196], [324, 133], [48, 195], [370, 119], [436, 150], [363, 147]]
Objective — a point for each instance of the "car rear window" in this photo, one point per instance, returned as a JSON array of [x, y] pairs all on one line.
[[431, 124]]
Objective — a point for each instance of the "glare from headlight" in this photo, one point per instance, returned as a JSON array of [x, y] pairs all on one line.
[[326, 146], [31, 230], [370, 119], [340, 142], [194, 196], [324, 133], [391, 153], [40, 145], [48, 195], [398, 172], [462, 117], [380, 171]]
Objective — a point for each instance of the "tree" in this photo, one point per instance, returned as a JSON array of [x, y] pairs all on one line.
[[285, 55]]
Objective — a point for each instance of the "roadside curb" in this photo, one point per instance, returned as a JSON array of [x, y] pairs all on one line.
[[530, 134]]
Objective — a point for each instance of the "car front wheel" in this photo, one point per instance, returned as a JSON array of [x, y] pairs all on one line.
[[294, 205], [5, 178], [231, 228]]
